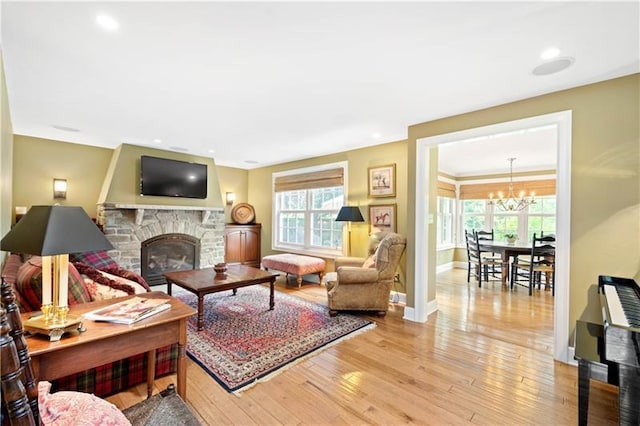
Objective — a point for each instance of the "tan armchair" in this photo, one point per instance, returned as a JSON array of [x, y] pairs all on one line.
[[356, 288]]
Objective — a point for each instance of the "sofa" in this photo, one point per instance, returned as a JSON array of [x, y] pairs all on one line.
[[361, 284], [92, 276]]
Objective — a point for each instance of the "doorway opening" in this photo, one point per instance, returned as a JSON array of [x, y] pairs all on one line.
[[425, 268]]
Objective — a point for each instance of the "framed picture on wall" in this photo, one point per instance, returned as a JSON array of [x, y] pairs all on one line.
[[382, 181], [382, 217]]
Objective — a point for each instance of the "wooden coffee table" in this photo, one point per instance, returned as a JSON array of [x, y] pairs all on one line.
[[204, 281]]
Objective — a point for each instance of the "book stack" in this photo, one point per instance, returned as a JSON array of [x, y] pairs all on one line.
[[129, 311]]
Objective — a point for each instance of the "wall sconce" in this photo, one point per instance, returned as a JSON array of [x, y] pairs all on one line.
[[60, 188], [231, 198]]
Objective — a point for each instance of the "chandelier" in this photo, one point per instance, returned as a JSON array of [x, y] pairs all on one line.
[[512, 203]]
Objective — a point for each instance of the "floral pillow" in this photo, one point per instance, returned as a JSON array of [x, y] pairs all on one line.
[[76, 409]]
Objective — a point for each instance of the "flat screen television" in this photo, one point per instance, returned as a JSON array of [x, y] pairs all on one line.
[[172, 178]]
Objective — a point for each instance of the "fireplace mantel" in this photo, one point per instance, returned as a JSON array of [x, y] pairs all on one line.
[[140, 208]]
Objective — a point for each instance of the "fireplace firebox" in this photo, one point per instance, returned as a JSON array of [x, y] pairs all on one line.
[[167, 253]]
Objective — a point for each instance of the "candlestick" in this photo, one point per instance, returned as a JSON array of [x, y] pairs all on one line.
[[46, 280], [63, 260]]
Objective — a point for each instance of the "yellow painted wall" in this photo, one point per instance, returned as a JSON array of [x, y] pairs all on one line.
[[236, 181], [605, 165], [359, 160], [445, 256], [6, 155], [37, 161]]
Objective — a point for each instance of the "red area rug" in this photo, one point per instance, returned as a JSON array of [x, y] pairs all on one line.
[[243, 342]]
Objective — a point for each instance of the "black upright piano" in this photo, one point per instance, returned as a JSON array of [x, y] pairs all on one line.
[[610, 351]]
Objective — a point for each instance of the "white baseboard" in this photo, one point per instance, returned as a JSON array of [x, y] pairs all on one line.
[[460, 265], [410, 313], [444, 267]]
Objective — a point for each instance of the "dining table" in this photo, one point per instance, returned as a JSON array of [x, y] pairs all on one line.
[[507, 251]]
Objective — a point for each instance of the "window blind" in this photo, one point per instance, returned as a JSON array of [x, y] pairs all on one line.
[[446, 189], [311, 180], [481, 191]]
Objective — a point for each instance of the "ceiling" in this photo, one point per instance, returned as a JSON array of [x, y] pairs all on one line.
[[534, 149], [258, 83]]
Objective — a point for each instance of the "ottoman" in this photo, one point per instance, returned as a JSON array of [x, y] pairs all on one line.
[[295, 264]]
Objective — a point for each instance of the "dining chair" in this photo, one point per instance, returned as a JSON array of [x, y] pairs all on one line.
[[541, 261], [496, 259], [477, 262]]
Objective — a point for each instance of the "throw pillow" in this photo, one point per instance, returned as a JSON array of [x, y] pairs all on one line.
[[29, 285], [97, 259], [76, 409], [370, 262], [108, 286], [125, 273]]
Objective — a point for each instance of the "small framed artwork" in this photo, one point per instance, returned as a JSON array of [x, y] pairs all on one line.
[[382, 181], [382, 217]]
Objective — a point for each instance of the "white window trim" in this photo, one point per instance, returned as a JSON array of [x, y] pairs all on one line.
[[325, 253]]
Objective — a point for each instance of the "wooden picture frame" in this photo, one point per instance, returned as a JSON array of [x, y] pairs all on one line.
[[382, 181], [382, 217]]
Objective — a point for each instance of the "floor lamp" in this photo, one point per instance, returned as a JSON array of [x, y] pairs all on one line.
[[349, 214]]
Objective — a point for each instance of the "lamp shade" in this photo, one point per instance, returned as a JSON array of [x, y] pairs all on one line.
[[53, 230], [349, 214]]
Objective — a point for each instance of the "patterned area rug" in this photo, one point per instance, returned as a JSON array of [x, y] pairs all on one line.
[[244, 343]]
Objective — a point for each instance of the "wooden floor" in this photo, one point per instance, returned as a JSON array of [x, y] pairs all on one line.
[[484, 358]]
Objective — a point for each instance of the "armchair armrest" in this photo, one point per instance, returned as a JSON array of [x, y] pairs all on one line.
[[353, 275]]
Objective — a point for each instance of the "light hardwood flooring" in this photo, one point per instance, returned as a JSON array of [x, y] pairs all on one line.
[[484, 358]]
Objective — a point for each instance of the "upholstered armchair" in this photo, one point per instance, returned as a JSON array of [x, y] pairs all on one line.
[[365, 284]]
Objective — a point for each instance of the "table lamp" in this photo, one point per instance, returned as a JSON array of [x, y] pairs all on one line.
[[349, 214], [53, 232]]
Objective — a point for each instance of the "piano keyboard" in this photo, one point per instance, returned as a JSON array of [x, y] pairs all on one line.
[[623, 306], [616, 313]]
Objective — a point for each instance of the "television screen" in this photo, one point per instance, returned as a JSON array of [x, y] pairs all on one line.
[[172, 178]]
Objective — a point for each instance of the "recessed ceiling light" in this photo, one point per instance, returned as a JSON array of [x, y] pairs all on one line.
[[65, 128], [157, 141], [107, 22], [376, 135], [553, 67], [550, 53], [212, 151]]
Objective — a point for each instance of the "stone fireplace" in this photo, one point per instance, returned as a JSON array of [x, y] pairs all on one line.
[[129, 226]]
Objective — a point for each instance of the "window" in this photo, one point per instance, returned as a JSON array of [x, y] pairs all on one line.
[[474, 216], [306, 203], [445, 221], [538, 218], [505, 222], [542, 217]]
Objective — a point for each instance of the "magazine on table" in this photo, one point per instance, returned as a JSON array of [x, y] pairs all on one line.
[[129, 311]]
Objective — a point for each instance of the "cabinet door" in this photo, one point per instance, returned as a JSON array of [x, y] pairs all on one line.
[[234, 246], [252, 245]]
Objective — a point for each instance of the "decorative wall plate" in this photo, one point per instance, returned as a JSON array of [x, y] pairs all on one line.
[[243, 213]]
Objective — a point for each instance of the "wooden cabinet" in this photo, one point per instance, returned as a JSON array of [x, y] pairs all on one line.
[[242, 244]]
